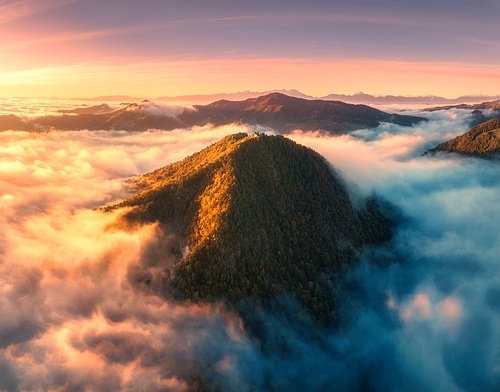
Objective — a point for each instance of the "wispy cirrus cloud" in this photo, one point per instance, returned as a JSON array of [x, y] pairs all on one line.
[[307, 18], [81, 36], [396, 18], [252, 19], [15, 10]]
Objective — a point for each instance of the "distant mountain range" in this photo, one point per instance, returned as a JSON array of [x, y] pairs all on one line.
[[480, 112], [259, 217], [488, 105], [200, 98], [277, 111], [362, 98], [239, 96], [481, 141], [284, 114], [358, 98]]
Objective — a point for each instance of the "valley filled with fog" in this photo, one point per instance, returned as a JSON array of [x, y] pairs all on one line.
[[421, 313]]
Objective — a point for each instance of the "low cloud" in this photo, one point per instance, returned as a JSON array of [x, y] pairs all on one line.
[[157, 109], [75, 310], [419, 314], [426, 299]]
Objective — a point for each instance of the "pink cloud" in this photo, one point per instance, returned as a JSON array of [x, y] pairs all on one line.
[[419, 308], [22, 8], [451, 310]]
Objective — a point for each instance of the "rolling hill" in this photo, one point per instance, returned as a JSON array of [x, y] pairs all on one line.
[[481, 141]]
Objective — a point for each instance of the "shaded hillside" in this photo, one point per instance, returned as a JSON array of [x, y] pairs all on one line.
[[285, 114], [260, 217], [482, 141], [14, 123], [277, 111], [492, 105], [133, 117]]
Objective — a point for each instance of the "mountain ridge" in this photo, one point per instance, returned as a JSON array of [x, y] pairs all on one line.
[[487, 105], [241, 95], [357, 98], [408, 100], [280, 112], [284, 114], [482, 141]]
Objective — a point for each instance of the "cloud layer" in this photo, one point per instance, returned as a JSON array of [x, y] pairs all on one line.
[[74, 314], [424, 304], [419, 314]]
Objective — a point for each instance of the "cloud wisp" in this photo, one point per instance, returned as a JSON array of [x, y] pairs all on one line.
[[20, 9]]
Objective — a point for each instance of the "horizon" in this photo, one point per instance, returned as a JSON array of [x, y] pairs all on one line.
[[288, 92], [73, 48]]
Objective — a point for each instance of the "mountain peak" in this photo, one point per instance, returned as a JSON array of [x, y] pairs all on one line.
[[261, 217], [285, 114], [275, 98]]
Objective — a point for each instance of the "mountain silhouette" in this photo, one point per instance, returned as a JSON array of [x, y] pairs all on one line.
[[280, 112], [285, 114]]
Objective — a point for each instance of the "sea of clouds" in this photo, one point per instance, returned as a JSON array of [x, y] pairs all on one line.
[[422, 313]]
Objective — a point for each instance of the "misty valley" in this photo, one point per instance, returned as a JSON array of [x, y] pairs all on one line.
[[274, 243]]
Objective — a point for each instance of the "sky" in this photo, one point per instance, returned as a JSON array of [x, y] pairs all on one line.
[[86, 48]]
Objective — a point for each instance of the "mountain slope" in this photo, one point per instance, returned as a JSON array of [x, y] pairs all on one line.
[[493, 106], [262, 217], [482, 141], [284, 114], [133, 117], [277, 111], [480, 112], [13, 123], [97, 109]]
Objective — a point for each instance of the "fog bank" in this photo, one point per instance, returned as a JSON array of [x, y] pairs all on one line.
[[421, 313]]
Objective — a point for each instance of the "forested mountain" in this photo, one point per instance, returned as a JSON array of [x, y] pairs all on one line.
[[260, 217], [134, 117], [284, 114], [482, 141], [277, 111]]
